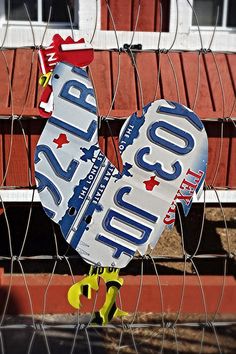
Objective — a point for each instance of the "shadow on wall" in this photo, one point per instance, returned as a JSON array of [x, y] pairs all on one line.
[[44, 238], [215, 239]]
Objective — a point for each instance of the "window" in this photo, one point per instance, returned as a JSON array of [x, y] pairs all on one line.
[[206, 12], [39, 10]]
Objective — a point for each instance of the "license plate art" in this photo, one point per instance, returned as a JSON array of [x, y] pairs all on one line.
[[108, 215]]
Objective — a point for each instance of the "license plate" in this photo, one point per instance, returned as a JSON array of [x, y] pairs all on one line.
[[106, 215]]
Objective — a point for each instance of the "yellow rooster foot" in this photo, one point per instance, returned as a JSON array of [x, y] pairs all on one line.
[[109, 310]]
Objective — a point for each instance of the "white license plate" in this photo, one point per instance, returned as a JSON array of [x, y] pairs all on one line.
[[106, 215]]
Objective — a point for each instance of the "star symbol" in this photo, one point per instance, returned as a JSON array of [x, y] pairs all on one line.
[[151, 183], [88, 153], [62, 139]]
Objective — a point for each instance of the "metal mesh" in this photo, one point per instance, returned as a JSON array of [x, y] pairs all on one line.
[[139, 332]]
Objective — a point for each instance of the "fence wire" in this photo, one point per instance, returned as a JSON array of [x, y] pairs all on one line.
[[139, 332]]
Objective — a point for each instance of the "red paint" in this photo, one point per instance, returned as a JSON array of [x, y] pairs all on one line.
[[15, 158], [151, 183], [58, 51], [128, 99], [125, 12], [150, 300], [104, 72], [55, 53], [45, 110], [61, 140]]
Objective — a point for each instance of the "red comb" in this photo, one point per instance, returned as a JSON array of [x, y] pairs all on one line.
[[78, 53]]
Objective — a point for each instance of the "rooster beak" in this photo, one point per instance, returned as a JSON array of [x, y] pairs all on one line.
[[45, 78]]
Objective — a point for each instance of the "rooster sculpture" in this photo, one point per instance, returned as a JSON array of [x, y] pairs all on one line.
[[108, 215]]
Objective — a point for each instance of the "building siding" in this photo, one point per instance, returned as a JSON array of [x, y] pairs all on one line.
[[203, 82]]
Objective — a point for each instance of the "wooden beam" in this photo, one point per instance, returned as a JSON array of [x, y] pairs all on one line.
[[200, 295]]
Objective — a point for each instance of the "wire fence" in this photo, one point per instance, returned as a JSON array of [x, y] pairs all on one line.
[[190, 249]]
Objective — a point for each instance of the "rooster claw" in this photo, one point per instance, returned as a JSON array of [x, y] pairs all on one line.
[[83, 287], [109, 310]]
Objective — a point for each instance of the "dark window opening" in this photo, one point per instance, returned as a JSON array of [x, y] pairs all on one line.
[[60, 10], [205, 13], [18, 10]]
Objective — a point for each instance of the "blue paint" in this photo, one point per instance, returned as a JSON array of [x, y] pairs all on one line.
[[89, 153], [80, 100], [131, 130], [81, 192], [130, 207], [181, 134], [49, 213], [79, 71], [44, 182], [125, 172], [107, 224], [119, 249], [157, 166], [56, 167], [85, 135], [179, 110], [93, 204]]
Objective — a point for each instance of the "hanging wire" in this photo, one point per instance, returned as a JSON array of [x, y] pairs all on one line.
[[88, 341], [12, 117], [202, 290], [176, 27], [7, 24], [95, 24], [202, 224], [214, 31], [197, 22], [47, 24], [199, 56], [131, 326], [29, 350], [118, 62], [175, 76], [117, 153], [219, 157], [136, 23], [46, 292], [2, 343], [139, 293], [159, 55], [30, 22], [12, 263], [71, 22], [138, 79], [28, 292], [46, 340]]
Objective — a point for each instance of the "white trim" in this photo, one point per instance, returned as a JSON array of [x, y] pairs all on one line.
[[184, 14], [75, 46], [39, 22], [225, 13], [103, 40], [85, 10], [212, 28], [26, 195], [36, 24], [2, 12], [89, 13], [213, 196], [40, 11], [18, 196]]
